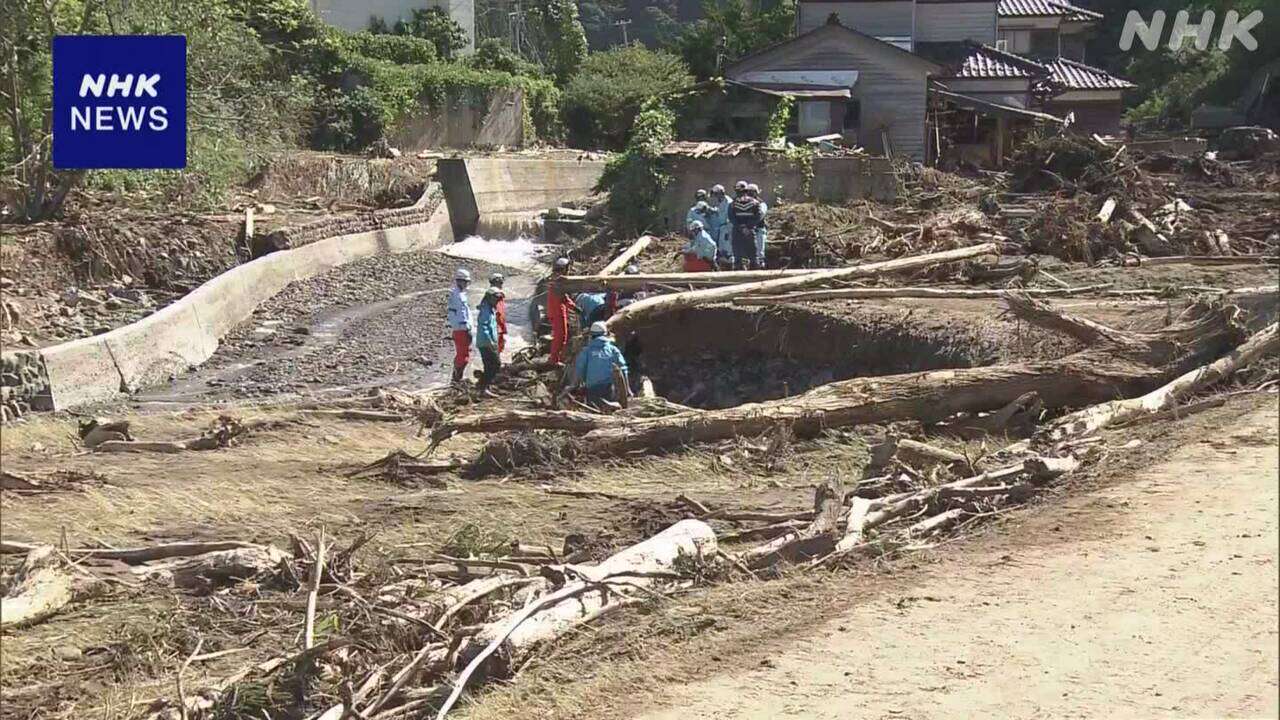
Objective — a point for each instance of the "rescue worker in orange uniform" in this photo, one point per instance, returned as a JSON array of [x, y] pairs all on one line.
[[558, 307]]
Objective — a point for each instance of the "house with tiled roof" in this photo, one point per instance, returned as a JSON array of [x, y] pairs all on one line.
[[900, 77], [1046, 29]]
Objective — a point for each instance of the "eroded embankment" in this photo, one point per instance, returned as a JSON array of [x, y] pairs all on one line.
[[722, 356]]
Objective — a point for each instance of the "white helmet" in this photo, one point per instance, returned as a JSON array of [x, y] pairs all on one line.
[[753, 188], [496, 280], [717, 189], [562, 263], [599, 328], [462, 274], [703, 207], [695, 226], [740, 185], [632, 270]]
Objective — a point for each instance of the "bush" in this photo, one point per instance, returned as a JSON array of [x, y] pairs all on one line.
[[635, 177], [402, 49], [493, 54], [603, 99], [374, 95]]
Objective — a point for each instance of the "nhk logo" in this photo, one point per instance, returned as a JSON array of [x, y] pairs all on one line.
[[119, 101]]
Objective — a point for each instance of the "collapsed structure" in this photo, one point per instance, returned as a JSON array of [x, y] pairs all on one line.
[[935, 81]]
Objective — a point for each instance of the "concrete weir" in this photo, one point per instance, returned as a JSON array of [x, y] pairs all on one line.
[[502, 187], [187, 332]]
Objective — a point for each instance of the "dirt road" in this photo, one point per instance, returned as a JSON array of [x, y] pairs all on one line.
[[1150, 598]]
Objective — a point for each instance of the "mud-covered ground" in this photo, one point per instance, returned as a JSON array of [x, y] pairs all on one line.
[[115, 257], [376, 319]]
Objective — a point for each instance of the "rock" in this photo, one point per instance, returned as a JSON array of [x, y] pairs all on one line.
[[6, 283], [1247, 143], [71, 297], [67, 653]]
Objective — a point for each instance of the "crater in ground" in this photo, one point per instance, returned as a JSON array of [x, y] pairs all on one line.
[[720, 356]]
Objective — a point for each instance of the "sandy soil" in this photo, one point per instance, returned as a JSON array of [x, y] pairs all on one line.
[[1152, 598]]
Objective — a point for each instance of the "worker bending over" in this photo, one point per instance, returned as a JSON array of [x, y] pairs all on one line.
[[591, 307], [558, 311], [459, 318], [700, 250], [593, 369], [488, 339]]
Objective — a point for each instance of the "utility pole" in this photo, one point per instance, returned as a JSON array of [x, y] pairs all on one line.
[[516, 19], [623, 24]]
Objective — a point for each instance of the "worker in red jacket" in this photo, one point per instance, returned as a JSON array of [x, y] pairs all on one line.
[[558, 306], [500, 310]]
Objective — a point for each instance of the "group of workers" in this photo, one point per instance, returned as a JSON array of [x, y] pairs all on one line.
[[595, 363], [726, 234], [488, 332]]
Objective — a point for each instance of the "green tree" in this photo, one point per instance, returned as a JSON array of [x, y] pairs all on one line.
[[1172, 83], [605, 96], [561, 40], [434, 24], [494, 54], [731, 29], [635, 177]]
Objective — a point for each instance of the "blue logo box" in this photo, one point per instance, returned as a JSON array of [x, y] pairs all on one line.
[[119, 101]]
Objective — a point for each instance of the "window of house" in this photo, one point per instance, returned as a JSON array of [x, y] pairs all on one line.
[[815, 118], [1016, 41]]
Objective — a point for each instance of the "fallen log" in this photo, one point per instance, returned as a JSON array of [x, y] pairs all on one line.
[[40, 588], [913, 292], [661, 304], [502, 645], [816, 540], [1091, 419], [1120, 365], [1140, 261], [590, 283], [619, 263]]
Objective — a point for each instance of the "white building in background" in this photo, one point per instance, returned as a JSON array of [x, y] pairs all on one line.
[[354, 15]]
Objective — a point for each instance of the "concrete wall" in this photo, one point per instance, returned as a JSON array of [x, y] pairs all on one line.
[[499, 123], [479, 187], [835, 179], [187, 332], [353, 15]]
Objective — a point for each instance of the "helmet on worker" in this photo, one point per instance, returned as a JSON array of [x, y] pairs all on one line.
[[598, 328], [561, 264], [700, 194], [753, 189], [462, 275], [496, 280], [740, 187], [631, 270], [717, 189], [695, 227]]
